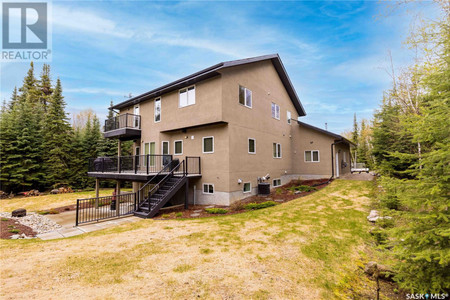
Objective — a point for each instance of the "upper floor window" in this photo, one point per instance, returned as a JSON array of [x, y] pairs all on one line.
[[187, 96], [158, 110], [275, 111], [288, 116], [245, 96], [312, 156], [178, 148], [252, 146], [208, 144], [276, 150]]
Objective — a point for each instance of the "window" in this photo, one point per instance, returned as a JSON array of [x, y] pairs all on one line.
[[288, 116], [276, 150], [275, 111], [312, 156], [247, 187], [136, 118], [157, 110], [252, 146], [164, 147], [208, 188], [245, 96], [344, 155], [276, 182], [208, 144], [187, 96], [178, 147]]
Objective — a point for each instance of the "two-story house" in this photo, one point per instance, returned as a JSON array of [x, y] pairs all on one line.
[[229, 124]]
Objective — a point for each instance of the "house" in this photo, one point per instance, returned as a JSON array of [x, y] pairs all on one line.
[[221, 128]]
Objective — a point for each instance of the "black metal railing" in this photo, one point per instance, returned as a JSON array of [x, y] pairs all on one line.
[[145, 189], [123, 121], [96, 209], [147, 164]]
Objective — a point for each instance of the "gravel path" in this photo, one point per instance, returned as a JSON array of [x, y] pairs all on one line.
[[37, 222]]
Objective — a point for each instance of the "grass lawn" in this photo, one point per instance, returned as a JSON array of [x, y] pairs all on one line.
[[48, 201], [296, 250]]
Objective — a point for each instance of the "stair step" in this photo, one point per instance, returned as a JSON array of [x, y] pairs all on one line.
[[140, 214]]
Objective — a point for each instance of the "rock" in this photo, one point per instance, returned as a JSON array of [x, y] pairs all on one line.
[[15, 236], [195, 215], [198, 211], [55, 191], [3, 195], [20, 212], [297, 192], [373, 216], [384, 272]]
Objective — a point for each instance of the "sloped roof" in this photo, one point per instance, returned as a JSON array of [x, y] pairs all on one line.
[[213, 71], [336, 136]]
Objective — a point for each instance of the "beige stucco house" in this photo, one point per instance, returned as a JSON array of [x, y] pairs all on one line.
[[230, 124]]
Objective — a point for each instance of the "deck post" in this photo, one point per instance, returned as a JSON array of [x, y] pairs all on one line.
[[118, 197], [97, 187], [186, 194]]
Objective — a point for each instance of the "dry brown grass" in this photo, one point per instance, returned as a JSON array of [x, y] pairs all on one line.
[[290, 251]]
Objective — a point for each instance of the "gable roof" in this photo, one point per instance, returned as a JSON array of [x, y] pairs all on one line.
[[336, 136], [213, 71]]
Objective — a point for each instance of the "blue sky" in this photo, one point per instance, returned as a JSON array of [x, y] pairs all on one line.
[[336, 53]]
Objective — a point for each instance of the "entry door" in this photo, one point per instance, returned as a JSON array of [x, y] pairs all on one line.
[[337, 164], [165, 153], [136, 118]]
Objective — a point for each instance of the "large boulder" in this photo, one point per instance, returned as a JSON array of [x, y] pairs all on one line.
[[384, 272], [20, 212]]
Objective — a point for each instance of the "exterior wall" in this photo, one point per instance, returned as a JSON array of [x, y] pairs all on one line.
[[256, 122], [343, 150]]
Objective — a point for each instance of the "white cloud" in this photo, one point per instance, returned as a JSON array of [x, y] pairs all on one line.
[[95, 91]]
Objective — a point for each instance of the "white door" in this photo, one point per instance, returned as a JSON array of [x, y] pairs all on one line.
[[337, 165]]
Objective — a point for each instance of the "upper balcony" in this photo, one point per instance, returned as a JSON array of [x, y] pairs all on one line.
[[124, 127]]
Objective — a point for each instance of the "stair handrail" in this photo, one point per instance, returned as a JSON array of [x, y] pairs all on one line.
[[156, 187], [150, 180]]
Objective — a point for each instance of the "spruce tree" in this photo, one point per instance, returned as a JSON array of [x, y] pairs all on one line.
[[45, 86], [108, 147]]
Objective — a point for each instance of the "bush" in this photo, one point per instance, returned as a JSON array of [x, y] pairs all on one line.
[[5, 219], [391, 202], [165, 216], [89, 189], [302, 188], [379, 235], [14, 231], [179, 214], [216, 210], [260, 205]]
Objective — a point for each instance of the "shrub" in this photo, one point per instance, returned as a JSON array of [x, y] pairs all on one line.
[[302, 188], [379, 235], [14, 231], [390, 201], [5, 219], [179, 214], [89, 189], [165, 216], [216, 210], [260, 205], [385, 222]]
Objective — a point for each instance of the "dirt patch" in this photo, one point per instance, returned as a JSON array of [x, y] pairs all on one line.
[[358, 176], [280, 194], [11, 227]]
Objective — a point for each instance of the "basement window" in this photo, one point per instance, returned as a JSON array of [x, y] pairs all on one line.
[[276, 182], [312, 156], [245, 96], [247, 187], [208, 188]]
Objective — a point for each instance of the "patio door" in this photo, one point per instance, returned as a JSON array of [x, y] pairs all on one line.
[[337, 165]]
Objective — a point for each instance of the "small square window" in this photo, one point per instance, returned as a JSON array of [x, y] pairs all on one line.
[[178, 147], [208, 188], [208, 144], [247, 187], [251, 146], [276, 182], [245, 96]]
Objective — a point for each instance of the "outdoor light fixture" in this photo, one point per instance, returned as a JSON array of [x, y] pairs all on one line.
[[239, 181]]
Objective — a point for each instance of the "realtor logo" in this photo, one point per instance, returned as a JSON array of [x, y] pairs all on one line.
[[25, 26]]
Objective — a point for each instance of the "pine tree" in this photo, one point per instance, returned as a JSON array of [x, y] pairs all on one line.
[[45, 86], [108, 147], [58, 138]]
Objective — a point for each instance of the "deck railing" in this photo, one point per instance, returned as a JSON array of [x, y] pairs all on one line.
[[138, 164], [123, 121], [96, 209]]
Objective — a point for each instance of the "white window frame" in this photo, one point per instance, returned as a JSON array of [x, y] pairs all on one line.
[[162, 147], [288, 116], [175, 148], [277, 154], [208, 184], [243, 188], [273, 182], [245, 98], [187, 96], [203, 144], [160, 110], [277, 112], [248, 145], [312, 156]]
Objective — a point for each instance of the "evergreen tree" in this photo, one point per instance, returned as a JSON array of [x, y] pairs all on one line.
[[108, 147], [58, 138], [45, 86]]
